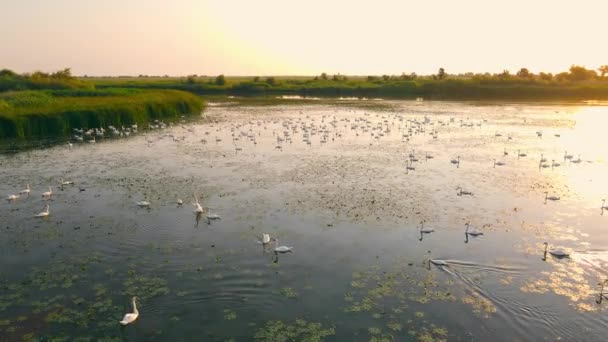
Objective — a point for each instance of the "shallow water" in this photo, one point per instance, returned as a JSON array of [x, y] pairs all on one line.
[[345, 202]]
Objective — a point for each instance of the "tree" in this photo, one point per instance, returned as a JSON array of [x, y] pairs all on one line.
[[386, 77], [441, 74], [579, 73], [64, 74], [220, 80], [603, 70], [256, 79], [191, 79], [271, 80], [524, 73], [324, 76], [505, 74], [545, 76]]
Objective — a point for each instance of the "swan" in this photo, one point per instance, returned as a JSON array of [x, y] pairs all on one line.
[[281, 249], [48, 193], [551, 198], [197, 206], [554, 164], [499, 163], [577, 160], [426, 230], [409, 166], [46, 212], [25, 191], [437, 262], [131, 317], [455, 161], [557, 252], [472, 231], [463, 192], [604, 206], [542, 158], [567, 156], [12, 197], [521, 154], [213, 217], [504, 152], [265, 239], [66, 182], [143, 204], [179, 202]]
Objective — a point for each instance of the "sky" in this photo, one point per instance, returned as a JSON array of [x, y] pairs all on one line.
[[284, 37]]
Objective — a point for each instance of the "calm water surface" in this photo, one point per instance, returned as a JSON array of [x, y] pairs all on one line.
[[330, 180]]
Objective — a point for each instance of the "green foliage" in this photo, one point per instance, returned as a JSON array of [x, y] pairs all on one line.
[[603, 70], [524, 73], [300, 330], [61, 79], [441, 74], [579, 73], [220, 80], [53, 113], [576, 84]]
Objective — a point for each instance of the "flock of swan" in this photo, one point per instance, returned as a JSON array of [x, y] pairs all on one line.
[[359, 125]]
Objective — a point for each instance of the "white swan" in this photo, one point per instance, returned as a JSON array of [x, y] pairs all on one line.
[[436, 262], [577, 160], [265, 238], [551, 198], [542, 158], [281, 249], [425, 230], [179, 202], [463, 192], [213, 217], [455, 161], [197, 206], [472, 231], [48, 193], [25, 191], [44, 213], [604, 206], [143, 204], [499, 163], [66, 182], [554, 164], [558, 252], [521, 154], [12, 197], [567, 156], [131, 317]]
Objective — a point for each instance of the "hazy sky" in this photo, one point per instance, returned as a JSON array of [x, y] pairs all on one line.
[[263, 37]]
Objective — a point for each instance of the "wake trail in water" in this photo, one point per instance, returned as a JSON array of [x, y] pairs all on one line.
[[519, 316]]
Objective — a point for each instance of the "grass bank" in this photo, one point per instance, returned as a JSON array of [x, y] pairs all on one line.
[[54, 112], [473, 88]]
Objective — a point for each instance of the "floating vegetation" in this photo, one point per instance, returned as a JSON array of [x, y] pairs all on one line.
[[300, 330], [481, 305], [229, 315], [288, 292]]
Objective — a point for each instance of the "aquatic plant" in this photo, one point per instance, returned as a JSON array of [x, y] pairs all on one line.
[[300, 330]]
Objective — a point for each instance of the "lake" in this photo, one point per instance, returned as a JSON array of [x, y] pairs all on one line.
[[346, 183]]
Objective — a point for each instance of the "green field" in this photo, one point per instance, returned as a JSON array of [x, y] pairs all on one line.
[[573, 85]]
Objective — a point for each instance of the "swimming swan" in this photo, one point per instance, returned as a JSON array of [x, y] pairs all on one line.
[[131, 317]]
